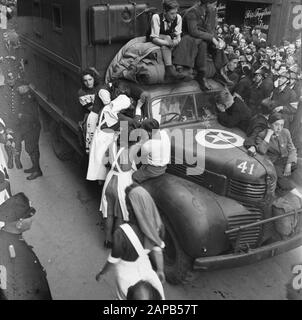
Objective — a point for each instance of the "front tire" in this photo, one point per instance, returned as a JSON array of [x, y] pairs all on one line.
[[177, 263]]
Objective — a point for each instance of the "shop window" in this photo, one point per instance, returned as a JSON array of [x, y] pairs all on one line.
[[57, 20], [37, 18]]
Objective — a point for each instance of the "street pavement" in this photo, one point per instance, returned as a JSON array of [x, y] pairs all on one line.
[[68, 239]]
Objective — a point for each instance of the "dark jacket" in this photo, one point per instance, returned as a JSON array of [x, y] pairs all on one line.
[[268, 85], [258, 93], [29, 114], [284, 97], [234, 77], [258, 123], [195, 23], [278, 147], [243, 88], [238, 115]]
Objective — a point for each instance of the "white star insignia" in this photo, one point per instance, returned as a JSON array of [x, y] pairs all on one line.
[[220, 137]]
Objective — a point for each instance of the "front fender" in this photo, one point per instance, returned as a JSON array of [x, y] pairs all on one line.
[[195, 214]]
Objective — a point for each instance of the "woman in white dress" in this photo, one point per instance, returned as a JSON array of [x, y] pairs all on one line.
[[104, 134], [113, 204]]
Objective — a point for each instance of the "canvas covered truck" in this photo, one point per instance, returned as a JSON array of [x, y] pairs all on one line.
[[218, 203]]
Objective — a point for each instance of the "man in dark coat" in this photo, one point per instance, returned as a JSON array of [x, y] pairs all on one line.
[[243, 87], [232, 111], [284, 97], [29, 128], [199, 39], [283, 94], [12, 103], [258, 92]]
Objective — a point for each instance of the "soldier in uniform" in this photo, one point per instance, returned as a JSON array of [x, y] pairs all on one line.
[[29, 128], [12, 99]]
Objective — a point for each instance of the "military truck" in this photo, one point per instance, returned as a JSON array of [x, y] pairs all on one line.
[[217, 203]]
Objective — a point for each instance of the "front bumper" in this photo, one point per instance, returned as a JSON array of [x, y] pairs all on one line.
[[252, 256]]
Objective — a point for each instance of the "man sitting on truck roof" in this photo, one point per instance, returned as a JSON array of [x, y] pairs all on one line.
[[199, 24], [166, 31]]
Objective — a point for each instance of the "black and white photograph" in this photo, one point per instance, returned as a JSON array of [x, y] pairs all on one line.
[[150, 150]]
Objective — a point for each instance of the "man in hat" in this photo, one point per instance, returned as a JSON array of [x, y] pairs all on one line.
[[12, 101], [268, 82], [199, 40], [243, 88], [258, 92], [29, 128], [283, 94], [27, 278], [232, 111]]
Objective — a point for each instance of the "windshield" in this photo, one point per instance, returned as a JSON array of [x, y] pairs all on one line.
[[182, 108]]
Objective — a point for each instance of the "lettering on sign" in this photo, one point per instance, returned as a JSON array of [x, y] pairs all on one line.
[[259, 16], [3, 278], [259, 13], [297, 21]]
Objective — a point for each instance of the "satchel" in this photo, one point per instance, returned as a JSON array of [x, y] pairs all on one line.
[[286, 227]]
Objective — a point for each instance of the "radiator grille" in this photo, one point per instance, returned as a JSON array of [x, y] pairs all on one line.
[[249, 238], [251, 192]]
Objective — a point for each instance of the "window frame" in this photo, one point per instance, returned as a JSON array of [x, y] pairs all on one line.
[[57, 6], [37, 19]]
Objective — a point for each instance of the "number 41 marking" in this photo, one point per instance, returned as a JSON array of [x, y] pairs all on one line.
[[246, 167]]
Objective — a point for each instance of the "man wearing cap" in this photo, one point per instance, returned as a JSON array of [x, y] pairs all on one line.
[[243, 88], [285, 97], [268, 82], [29, 128], [283, 94], [258, 92], [12, 99]]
